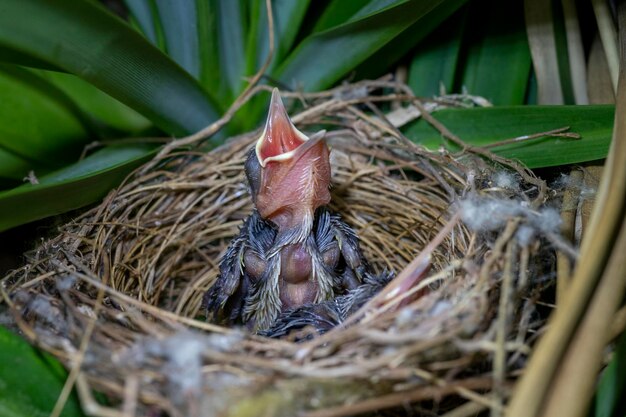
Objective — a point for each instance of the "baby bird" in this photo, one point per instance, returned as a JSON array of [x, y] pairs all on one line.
[[321, 317], [291, 251]]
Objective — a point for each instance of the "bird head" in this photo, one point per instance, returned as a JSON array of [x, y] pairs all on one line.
[[288, 172]]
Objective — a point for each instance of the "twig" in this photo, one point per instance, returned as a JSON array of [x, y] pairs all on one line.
[[555, 133], [569, 206], [499, 357], [80, 355], [400, 398], [526, 175]]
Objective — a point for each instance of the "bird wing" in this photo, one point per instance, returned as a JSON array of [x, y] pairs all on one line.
[[320, 317], [356, 265], [225, 300]]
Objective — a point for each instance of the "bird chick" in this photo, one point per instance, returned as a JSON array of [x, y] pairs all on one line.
[[321, 317], [292, 250]]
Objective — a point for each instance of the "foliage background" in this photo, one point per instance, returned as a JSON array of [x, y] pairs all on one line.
[[89, 91]]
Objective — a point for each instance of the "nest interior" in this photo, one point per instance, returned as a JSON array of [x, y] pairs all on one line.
[[118, 292]]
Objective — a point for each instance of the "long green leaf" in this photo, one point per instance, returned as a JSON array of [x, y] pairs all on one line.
[[338, 12], [232, 40], [498, 58], [12, 166], [435, 61], [562, 54], [208, 49], [142, 12], [82, 38], [30, 381], [288, 17], [386, 58], [178, 19], [326, 57], [482, 126], [38, 122], [16, 57], [97, 104], [73, 187], [610, 400]]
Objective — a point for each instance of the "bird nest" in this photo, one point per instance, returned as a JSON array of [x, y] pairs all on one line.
[[117, 295]]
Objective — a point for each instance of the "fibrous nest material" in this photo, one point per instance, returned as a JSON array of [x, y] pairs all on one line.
[[116, 296]]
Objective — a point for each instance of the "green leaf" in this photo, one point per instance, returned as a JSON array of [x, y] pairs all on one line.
[[75, 186], [435, 61], [16, 57], [30, 381], [338, 12], [288, 17], [178, 19], [38, 122], [482, 126], [208, 50], [231, 35], [325, 57], [562, 55], [384, 60], [97, 104], [143, 13], [12, 166], [82, 38], [610, 400], [498, 62]]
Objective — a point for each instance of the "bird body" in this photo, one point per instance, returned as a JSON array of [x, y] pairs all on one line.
[[323, 316], [291, 251], [264, 274]]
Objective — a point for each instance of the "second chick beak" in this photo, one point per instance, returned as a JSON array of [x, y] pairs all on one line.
[[295, 170]]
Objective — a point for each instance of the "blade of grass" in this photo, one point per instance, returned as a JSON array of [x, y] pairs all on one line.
[[75, 186], [30, 381], [343, 47], [497, 39], [482, 126], [82, 38]]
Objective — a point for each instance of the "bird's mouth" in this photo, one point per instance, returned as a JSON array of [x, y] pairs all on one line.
[[295, 169], [280, 138]]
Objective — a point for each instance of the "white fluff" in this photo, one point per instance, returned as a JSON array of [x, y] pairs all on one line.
[[65, 283], [506, 180]]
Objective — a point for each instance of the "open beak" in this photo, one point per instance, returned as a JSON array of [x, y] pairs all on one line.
[[295, 169]]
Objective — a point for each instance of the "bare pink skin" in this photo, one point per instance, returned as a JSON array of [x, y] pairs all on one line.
[[295, 180], [296, 287], [297, 183]]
